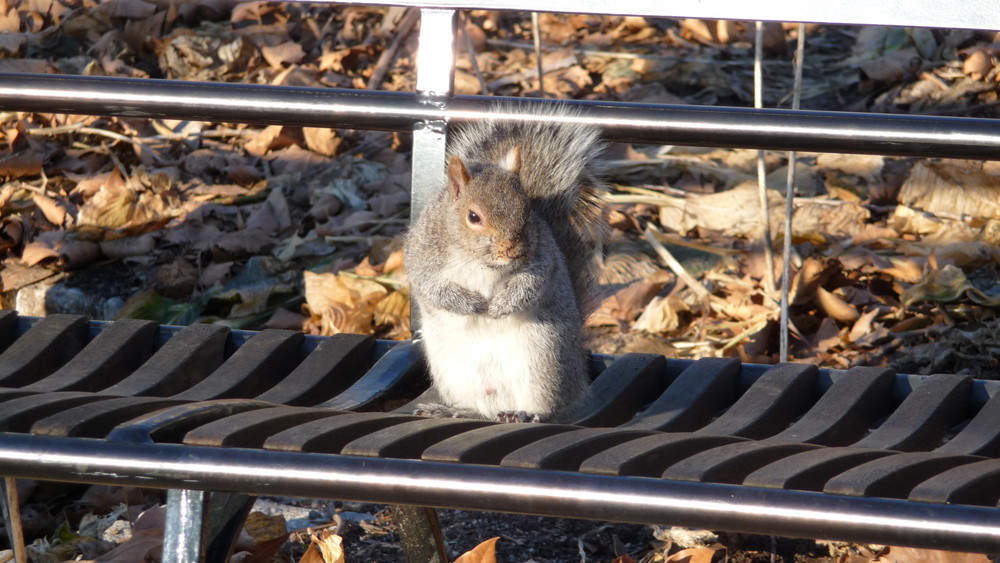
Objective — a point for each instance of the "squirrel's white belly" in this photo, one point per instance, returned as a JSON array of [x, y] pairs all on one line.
[[483, 363]]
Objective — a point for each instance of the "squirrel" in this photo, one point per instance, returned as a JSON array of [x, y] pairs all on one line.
[[503, 265]]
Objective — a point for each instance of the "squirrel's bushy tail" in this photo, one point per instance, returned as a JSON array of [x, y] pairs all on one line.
[[559, 172]]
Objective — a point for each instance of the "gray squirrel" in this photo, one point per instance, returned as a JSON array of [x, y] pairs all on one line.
[[502, 265]]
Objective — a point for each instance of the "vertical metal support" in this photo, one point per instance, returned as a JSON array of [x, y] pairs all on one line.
[[435, 72], [419, 530], [182, 535]]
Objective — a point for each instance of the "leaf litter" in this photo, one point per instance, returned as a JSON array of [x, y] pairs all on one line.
[[894, 259]]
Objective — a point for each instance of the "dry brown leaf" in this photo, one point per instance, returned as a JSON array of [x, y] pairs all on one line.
[[660, 316], [87, 186], [54, 212], [946, 284], [890, 67], [893, 554], [485, 552], [622, 308], [263, 527], [132, 9], [697, 30], [694, 555], [394, 311], [326, 547], [79, 253], [813, 273], [272, 216], [906, 269], [863, 327], [836, 307], [322, 140], [128, 246], [261, 142], [623, 559], [36, 252], [339, 303], [977, 65], [867, 166], [952, 188], [21, 164], [144, 545], [285, 53]]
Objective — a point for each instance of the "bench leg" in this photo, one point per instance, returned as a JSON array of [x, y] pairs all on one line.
[[203, 526], [182, 535], [420, 534], [419, 531]]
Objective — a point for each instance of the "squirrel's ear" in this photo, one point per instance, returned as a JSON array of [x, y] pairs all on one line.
[[512, 161], [458, 176]]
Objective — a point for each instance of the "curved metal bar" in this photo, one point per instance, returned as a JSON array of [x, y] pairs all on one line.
[[772, 129], [637, 499]]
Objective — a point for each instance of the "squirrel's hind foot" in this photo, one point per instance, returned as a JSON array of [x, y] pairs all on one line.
[[437, 410], [518, 416]]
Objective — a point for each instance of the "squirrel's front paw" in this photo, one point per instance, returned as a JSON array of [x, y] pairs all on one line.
[[499, 310], [518, 416]]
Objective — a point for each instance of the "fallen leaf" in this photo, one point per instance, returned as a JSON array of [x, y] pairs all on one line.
[[321, 139], [54, 212], [326, 547], [952, 188], [279, 55], [339, 303], [695, 555], [144, 545], [485, 552], [836, 307], [946, 284], [36, 252], [660, 316], [893, 554], [21, 164]]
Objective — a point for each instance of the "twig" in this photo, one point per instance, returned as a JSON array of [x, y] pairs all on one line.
[[16, 531], [483, 88], [786, 250], [565, 62], [378, 279], [80, 128], [758, 102], [672, 263], [536, 33], [756, 327]]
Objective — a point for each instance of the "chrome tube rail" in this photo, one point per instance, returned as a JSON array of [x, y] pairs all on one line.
[[523, 491], [773, 129], [862, 455]]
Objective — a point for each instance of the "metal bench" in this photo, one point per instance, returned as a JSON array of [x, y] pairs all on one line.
[[865, 454], [862, 455]]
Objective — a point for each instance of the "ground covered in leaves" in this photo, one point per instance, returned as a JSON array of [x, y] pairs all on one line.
[[894, 259]]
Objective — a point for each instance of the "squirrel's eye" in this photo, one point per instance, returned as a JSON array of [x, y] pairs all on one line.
[[474, 218]]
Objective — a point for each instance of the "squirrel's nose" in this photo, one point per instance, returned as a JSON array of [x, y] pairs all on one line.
[[511, 250]]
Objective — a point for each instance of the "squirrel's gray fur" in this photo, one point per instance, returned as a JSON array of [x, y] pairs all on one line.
[[502, 265]]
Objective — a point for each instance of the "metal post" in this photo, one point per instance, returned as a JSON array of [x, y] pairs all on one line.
[[182, 533], [435, 62], [419, 530]]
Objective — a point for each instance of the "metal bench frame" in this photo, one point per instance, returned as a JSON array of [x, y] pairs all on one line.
[[189, 471]]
